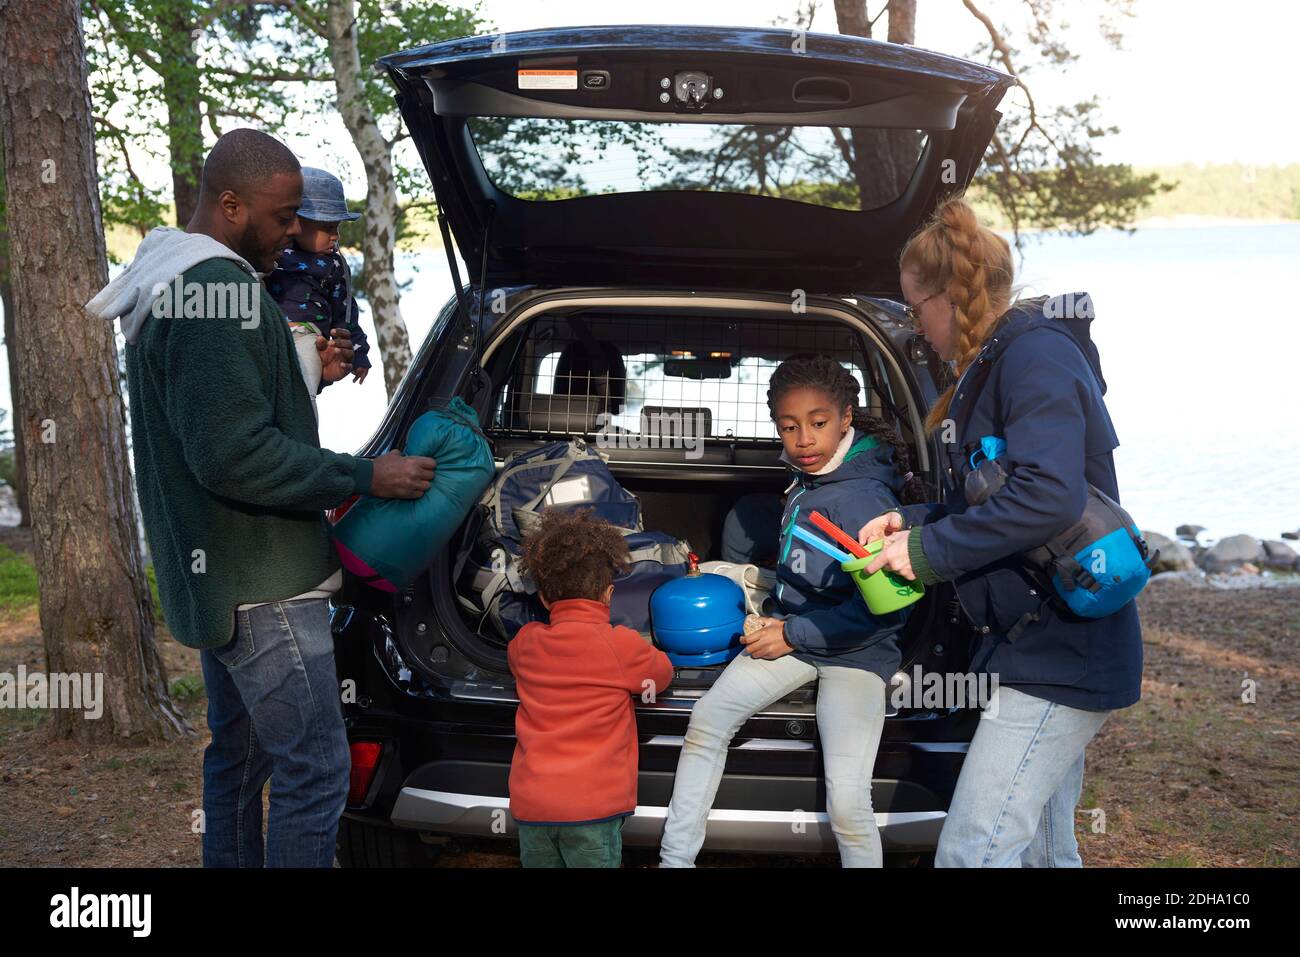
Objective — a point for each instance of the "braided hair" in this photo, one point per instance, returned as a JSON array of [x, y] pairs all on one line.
[[821, 372], [953, 253]]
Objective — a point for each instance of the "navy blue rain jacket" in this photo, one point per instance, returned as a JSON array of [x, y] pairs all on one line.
[[1033, 385], [317, 288], [828, 622]]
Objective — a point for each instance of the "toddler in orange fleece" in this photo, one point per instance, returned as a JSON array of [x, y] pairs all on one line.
[[573, 778]]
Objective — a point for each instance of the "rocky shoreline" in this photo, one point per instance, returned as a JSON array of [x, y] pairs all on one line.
[[1237, 561]]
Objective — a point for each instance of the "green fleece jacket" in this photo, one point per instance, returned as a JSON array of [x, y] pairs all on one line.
[[228, 463]]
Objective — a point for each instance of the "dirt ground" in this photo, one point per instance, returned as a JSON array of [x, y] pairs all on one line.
[[1190, 776]]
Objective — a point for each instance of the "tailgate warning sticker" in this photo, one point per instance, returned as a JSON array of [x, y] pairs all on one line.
[[548, 79]]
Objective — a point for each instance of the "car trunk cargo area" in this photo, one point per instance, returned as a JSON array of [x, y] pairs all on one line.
[[672, 392]]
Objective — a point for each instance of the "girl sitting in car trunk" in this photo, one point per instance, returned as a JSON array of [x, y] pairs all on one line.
[[850, 467]]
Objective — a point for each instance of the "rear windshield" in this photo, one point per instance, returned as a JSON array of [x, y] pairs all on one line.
[[604, 373], [553, 159]]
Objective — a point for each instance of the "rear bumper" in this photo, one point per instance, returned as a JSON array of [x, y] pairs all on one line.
[[757, 831], [771, 798]]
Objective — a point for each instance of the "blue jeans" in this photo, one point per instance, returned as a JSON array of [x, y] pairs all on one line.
[[1014, 801], [850, 717], [274, 711]]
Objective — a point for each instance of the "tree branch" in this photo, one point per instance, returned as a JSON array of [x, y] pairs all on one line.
[[123, 31], [1004, 55], [220, 9], [299, 11], [275, 76], [119, 136]]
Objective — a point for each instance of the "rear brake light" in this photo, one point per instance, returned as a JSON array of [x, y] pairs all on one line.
[[365, 760]]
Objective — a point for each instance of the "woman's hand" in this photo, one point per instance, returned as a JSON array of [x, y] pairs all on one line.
[[769, 641], [894, 556], [881, 526]]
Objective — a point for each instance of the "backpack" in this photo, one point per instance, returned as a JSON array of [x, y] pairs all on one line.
[[1097, 565], [1101, 562], [566, 475]]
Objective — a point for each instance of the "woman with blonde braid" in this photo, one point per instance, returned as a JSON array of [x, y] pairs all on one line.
[[1024, 377]]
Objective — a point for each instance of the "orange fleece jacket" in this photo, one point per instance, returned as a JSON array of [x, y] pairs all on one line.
[[575, 758]]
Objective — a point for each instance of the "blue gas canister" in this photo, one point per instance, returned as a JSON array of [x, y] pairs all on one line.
[[698, 619]]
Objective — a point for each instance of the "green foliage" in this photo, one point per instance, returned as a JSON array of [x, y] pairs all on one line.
[[1044, 168], [158, 69], [273, 35], [1229, 189], [153, 594], [187, 687], [19, 589], [1057, 180]]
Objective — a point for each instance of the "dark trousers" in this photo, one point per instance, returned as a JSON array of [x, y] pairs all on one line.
[[572, 845]]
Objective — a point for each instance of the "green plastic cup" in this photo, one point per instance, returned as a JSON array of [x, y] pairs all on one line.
[[883, 591]]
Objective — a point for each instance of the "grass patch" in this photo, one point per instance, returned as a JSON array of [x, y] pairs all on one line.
[[19, 589], [187, 687], [23, 719], [153, 594]]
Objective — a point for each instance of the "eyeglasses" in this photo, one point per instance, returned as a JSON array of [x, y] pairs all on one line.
[[910, 311]]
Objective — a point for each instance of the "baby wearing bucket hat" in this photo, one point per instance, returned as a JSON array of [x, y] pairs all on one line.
[[312, 283]]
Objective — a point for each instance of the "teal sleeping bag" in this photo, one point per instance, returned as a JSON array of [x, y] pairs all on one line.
[[387, 542]]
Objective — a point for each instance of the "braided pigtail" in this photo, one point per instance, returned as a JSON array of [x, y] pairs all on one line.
[[972, 265]]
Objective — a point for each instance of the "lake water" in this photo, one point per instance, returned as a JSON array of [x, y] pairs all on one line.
[[1196, 343]]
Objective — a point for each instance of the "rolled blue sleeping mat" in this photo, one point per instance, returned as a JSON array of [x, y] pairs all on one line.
[[388, 542]]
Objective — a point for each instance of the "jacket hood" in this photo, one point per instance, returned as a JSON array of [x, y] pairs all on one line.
[[164, 254], [1069, 313], [865, 457]]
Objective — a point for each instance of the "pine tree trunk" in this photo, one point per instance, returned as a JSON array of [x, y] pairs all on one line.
[[15, 397], [883, 160], [905, 145], [11, 352], [96, 615], [379, 219]]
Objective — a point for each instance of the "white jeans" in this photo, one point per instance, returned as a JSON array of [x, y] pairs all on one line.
[[1014, 802], [850, 717]]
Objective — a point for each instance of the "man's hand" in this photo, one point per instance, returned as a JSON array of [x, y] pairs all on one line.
[[336, 354], [768, 642], [894, 557], [882, 526], [401, 476]]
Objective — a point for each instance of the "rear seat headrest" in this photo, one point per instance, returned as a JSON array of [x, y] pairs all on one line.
[[578, 372], [567, 414]]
